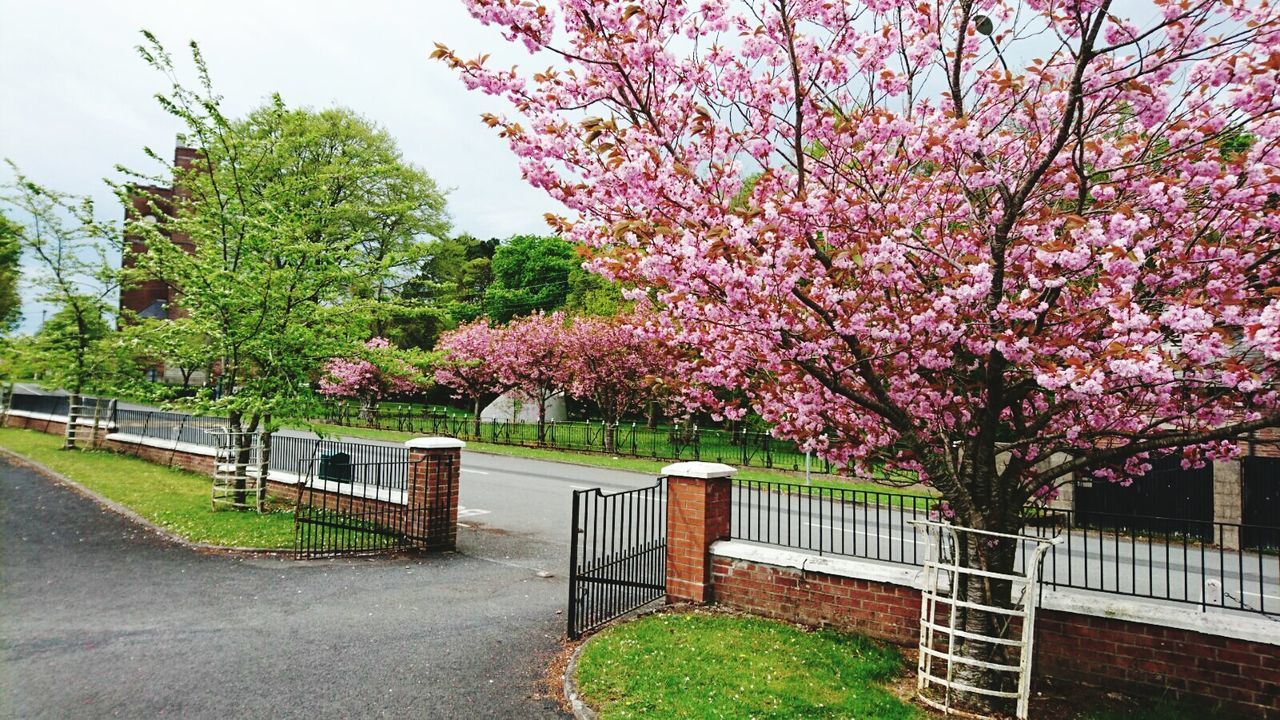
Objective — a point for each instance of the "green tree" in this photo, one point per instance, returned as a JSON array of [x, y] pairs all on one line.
[[302, 223], [591, 294], [67, 249], [530, 274], [179, 344], [10, 255], [447, 291]]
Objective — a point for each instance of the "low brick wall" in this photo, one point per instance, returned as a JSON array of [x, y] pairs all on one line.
[[1240, 677], [195, 462], [886, 611], [53, 427]]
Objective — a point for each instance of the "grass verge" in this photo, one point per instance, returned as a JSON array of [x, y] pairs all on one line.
[[174, 499], [707, 664], [711, 665], [613, 462]]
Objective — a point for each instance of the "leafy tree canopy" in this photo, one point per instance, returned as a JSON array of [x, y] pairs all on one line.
[[10, 254]]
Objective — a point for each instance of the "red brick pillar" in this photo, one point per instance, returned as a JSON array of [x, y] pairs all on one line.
[[699, 508], [435, 464]]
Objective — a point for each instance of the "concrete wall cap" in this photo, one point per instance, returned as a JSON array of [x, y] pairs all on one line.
[[435, 443], [699, 470]]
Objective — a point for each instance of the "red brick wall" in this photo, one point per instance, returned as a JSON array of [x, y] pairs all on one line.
[[202, 464], [53, 427], [1151, 660], [1243, 677], [1262, 443]]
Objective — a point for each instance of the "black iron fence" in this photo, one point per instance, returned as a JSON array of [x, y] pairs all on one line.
[[681, 441], [168, 426], [1188, 561], [327, 457], [58, 404], [355, 508], [617, 554]]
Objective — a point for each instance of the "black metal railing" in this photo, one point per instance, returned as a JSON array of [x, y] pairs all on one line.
[[288, 451], [359, 510], [1187, 561], [617, 554], [59, 405], [1199, 562], [831, 521], [681, 441], [169, 426]]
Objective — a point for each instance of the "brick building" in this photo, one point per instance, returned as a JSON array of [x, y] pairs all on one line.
[[152, 298]]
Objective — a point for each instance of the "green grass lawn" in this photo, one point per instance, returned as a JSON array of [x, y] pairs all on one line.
[[173, 499], [612, 462], [715, 665], [707, 665]]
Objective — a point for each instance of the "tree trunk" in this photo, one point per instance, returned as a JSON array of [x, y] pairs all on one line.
[[610, 431], [264, 462], [369, 412], [651, 421], [242, 445], [993, 555], [475, 409], [542, 418]]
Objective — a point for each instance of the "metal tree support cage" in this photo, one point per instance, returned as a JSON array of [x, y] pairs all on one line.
[[238, 485], [78, 410], [939, 654]]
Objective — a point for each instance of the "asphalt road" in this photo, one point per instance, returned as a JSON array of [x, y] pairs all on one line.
[[99, 618]]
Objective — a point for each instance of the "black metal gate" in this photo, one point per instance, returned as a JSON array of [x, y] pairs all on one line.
[[1261, 497], [346, 508], [618, 554], [1168, 499]]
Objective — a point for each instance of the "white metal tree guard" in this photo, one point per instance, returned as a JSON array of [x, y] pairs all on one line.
[[236, 484], [938, 640]]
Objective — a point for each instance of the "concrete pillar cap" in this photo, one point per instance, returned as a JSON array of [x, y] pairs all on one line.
[[699, 470], [435, 443]]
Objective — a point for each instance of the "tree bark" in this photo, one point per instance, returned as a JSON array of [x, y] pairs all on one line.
[[542, 418], [994, 555], [610, 431]]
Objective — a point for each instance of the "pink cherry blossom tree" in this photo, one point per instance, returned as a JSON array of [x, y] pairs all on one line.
[[612, 363], [997, 244], [378, 371], [532, 358], [468, 364]]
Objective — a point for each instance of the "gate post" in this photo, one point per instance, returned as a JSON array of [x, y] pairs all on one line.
[[435, 464], [699, 507]]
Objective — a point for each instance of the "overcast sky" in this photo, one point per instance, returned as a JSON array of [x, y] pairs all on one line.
[[76, 100]]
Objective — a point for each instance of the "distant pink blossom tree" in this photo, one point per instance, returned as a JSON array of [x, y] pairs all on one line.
[[615, 365], [377, 372], [468, 364], [993, 243], [531, 357]]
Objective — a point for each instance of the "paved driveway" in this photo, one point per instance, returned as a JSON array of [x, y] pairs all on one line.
[[99, 618]]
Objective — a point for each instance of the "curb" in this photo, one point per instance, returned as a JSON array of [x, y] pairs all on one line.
[[581, 710], [131, 515]]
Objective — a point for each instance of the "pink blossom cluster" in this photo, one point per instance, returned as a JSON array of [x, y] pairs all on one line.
[[372, 376], [609, 361], [904, 242]]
